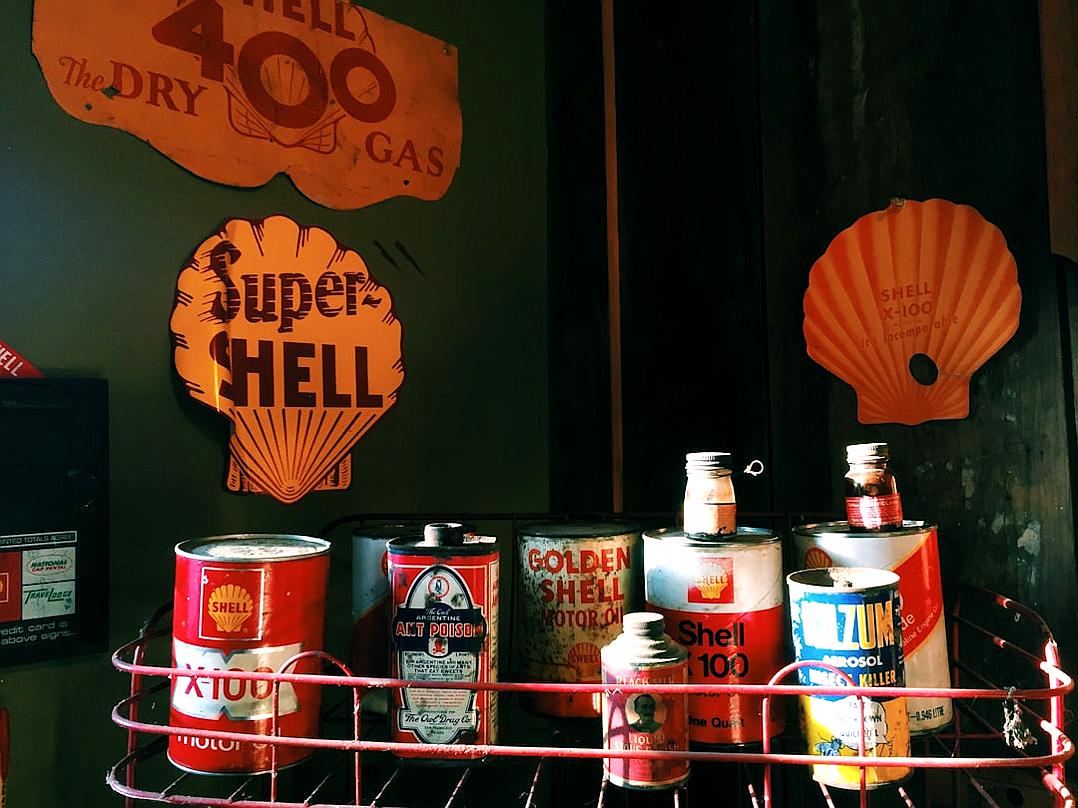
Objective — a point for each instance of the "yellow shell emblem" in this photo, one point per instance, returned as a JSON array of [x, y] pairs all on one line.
[[230, 606], [713, 581]]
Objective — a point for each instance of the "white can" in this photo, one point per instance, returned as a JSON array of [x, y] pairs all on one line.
[[723, 600], [912, 552]]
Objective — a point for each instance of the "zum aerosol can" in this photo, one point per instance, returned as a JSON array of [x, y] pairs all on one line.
[[245, 603], [644, 655], [912, 553], [444, 627], [722, 599], [850, 618], [575, 581]]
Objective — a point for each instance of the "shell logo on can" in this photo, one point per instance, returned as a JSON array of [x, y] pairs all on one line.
[[714, 583], [284, 332], [815, 557], [230, 606]]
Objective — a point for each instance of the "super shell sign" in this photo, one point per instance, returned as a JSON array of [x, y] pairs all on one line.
[[285, 333], [354, 107]]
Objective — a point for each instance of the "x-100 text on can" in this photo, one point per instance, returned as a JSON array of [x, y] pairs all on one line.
[[644, 655], [722, 600], [849, 618], [575, 581], [444, 627], [912, 553], [244, 603]]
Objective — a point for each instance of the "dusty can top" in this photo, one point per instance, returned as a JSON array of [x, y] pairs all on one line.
[[744, 535], [909, 527], [252, 548], [443, 539], [579, 530]]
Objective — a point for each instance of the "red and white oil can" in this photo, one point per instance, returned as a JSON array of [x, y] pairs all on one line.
[[244, 603], [575, 582], [444, 627], [722, 599]]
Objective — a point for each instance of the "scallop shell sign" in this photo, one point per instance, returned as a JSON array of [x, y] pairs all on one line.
[[354, 107], [285, 333], [907, 303]]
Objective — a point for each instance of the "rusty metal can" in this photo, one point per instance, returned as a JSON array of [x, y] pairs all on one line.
[[444, 627], [575, 582], [912, 553], [850, 618], [245, 602], [722, 599], [644, 655]]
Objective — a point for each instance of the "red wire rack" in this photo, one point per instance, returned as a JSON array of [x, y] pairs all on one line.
[[962, 750], [994, 639]]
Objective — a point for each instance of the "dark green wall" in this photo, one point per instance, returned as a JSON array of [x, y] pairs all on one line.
[[95, 227]]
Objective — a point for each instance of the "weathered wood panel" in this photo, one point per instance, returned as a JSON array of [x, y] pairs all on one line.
[[940, 99]]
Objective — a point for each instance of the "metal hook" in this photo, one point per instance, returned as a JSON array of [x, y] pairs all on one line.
[[755, 468]]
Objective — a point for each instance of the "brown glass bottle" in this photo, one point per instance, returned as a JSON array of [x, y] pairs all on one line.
[[872, 498]]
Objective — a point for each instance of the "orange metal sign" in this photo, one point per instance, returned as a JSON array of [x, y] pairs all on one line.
[[926, 288], [285, 333], [354, 107]]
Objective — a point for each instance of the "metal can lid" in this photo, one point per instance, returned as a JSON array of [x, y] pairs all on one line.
[[866, 452], [838, 579], [910, 527], [579, 530], [707, 461], [443, 539], [745, 536], [252, 547], [644, 624]]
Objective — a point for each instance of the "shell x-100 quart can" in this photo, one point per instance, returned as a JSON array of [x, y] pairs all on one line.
[[444, 627], [644, 655], [575, 581], [722, 600], [244, 603], [849, 618], [912, 553]]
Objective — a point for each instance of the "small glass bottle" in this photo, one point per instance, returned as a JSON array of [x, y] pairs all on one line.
[[872, 500], [710, 506]]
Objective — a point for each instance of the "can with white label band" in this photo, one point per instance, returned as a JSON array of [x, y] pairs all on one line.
[[444, 627], [912, 553], [849, 618], [722, 599], [245, 602], [575, 582], [644, 655]]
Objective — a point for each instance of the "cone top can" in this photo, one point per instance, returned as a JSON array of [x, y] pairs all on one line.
[[849, 618], [575, 582], [912, 553], [723, 600], [444, 627], [245, 602], [643, 655]]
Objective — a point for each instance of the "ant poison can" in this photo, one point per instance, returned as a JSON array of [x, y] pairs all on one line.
[[444, 627], [722, 599], [245, 603], [912, 553], [644, 655], [849, 618], [575, 581]]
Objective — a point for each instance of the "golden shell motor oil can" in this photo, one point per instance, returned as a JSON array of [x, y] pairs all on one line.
[[575, 582], [912, 553], [245, 603], [850, 618], [444, 627], [643, 655], [722, 599]]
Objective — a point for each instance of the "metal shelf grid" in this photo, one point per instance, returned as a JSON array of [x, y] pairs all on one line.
[[975, 746]]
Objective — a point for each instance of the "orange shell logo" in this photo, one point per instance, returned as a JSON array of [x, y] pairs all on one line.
[[284, 332], [815, 557], [925, 288], [712, 580], [230, 606]]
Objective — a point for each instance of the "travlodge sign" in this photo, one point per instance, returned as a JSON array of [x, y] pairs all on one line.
[[354, 107], [284, 332]]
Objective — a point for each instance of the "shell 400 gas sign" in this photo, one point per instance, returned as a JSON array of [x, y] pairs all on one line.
[[354, 107]]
